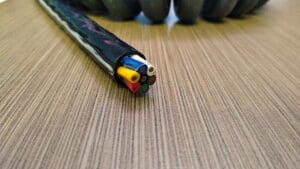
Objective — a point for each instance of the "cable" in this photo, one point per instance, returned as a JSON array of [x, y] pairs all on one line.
[[114, 55], [127, 65]]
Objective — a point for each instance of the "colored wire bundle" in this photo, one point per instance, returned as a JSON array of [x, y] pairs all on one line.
[[127, 65], [137, 74]]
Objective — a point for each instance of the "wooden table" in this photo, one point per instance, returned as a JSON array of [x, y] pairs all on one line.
[[227, 96]]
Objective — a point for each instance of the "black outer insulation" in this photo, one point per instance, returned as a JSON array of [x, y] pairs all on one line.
[[104, 47]]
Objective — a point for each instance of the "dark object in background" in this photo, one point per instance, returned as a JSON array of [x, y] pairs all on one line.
[[259, 4], [216, 10], [122, 9], [187, 10], [243, 7], [94, 5], [155, 10]]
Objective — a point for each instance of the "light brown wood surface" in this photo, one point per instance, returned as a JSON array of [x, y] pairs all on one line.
[[227, 95]]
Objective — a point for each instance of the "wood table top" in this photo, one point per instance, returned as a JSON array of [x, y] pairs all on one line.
[[227, 94]]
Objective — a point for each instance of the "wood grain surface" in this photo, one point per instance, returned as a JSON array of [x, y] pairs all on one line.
[[227, 96]]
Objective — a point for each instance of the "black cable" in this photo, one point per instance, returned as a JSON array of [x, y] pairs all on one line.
[[127, 65]]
